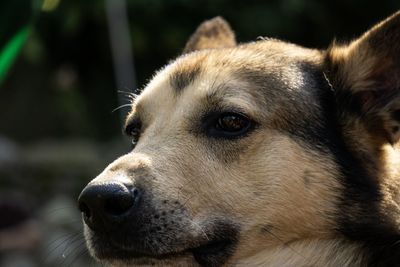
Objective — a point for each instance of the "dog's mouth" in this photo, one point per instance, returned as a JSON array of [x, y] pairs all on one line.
[[212, 253], [212, 249]]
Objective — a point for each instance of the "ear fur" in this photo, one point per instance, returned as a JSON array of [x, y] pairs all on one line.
[[366, 77], [213, 33]]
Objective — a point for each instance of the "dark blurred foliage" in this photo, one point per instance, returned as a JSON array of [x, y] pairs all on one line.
[[62, 84]]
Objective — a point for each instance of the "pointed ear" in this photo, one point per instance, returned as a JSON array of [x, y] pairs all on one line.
[[213, 33], [366, 77]]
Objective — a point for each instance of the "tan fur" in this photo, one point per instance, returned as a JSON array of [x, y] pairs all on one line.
[[214, 33]]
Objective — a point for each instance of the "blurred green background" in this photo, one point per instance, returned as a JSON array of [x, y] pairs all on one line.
[[57, 128]]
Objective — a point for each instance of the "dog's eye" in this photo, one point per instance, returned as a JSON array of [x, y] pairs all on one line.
[[133, 130], [230, 125]]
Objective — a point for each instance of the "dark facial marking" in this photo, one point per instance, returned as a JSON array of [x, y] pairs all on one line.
[[184, 76]]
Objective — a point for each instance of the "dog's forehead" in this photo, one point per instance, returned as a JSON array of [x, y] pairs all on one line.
[[276, 67]]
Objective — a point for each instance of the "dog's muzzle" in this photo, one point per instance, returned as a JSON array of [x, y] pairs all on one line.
[[126, 222]]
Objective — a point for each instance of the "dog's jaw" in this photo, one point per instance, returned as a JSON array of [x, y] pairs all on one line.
[[214, 250]]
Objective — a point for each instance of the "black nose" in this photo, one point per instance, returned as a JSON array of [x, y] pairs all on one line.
[[104, 205]]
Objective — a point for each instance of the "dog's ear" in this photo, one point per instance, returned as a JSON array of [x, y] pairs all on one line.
[[365, 75], [213, 33]]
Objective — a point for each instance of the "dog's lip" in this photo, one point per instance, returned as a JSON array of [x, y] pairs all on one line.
[[213, 247], [202, 253], [205, 253]]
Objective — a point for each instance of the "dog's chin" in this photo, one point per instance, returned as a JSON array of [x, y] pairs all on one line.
[[182, 260], [207, 253]]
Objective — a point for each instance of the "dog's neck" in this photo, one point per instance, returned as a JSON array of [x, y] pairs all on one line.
[[310, 252]]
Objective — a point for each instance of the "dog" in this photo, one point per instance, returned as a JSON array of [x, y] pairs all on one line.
[[258, 154]]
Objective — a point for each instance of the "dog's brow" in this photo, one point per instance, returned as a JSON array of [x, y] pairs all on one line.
[[184, 76], [229, 97]]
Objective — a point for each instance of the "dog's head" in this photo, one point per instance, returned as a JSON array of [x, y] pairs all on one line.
[[242, 149]]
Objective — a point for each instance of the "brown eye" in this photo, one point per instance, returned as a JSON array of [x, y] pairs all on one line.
[[228, 125], [232, 123]]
